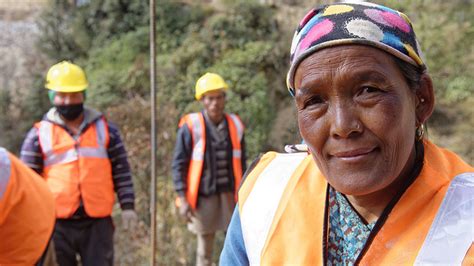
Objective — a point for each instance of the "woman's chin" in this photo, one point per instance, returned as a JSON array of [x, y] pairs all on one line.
[[356, 186]]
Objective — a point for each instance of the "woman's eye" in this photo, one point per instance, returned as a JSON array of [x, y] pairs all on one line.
[[313, 101], [369, 89]]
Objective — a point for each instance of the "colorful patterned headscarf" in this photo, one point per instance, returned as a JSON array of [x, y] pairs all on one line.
[[354, 23]]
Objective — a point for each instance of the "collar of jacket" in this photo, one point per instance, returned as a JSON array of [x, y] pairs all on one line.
[[90, 116]]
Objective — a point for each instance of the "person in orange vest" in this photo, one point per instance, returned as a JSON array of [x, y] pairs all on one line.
[[208, 163], [83, 160], [369, 188], [26, 213]]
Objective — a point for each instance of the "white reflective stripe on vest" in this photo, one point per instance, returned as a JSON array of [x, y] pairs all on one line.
[[236, 153], [45, 137], [61, 158], [198, 149], [5, 171], [100, 152], [452, 231], [238, 125], [101, 132], [261, 204], [72, 155]]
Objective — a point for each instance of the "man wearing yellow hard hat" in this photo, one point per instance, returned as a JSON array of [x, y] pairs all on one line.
[[209, 159], [83, 160]]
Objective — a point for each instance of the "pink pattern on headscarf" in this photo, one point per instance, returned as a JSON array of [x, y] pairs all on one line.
[[319, 30], [376, 15], [388, 19], [396, 20]]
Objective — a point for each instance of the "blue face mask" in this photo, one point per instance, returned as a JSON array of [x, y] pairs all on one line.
[[70, 112]]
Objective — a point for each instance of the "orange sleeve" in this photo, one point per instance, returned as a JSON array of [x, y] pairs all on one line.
[[27, 216]]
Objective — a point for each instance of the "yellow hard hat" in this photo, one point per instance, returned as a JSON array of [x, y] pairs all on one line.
[[209, 82], [66, 77]]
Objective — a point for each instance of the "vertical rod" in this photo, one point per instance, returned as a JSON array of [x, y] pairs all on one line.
[[153, 134]]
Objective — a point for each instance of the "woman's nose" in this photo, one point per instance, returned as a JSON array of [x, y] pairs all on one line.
[[345, 121]]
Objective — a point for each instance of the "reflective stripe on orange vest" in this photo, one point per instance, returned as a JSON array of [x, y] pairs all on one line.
[[79, 169], [292, 232], [26, 212], [236, 131], [72, 154], [4, 171], [196, 125], [452, 231], [263, 202]]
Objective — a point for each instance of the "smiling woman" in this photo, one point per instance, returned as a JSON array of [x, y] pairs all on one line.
[[370, 189], [359, 96]]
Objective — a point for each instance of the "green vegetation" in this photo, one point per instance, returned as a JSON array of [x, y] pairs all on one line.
[[247, 43], [241, 44]]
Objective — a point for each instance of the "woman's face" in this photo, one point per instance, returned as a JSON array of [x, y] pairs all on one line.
[[357, 115]]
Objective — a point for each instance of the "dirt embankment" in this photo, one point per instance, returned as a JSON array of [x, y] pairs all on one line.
[[17, 44]]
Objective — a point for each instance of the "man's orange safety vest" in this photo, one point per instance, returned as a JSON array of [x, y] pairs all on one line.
[[197, 127], [282, 211], [26, 212], [79, 169]]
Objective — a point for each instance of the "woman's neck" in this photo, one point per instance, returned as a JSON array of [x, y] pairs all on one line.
[[370, 207]]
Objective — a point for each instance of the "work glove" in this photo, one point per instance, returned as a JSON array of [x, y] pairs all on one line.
[[129, 219], [185, 209]]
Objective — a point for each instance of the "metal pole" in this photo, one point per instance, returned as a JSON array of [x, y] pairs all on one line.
[[153, 130]]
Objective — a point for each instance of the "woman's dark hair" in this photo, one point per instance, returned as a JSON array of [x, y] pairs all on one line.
[[411, 73], [412, 76]]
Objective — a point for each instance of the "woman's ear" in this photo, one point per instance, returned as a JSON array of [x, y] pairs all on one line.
[[425, 99]]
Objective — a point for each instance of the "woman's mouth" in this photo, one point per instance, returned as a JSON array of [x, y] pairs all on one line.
[[353, 154]]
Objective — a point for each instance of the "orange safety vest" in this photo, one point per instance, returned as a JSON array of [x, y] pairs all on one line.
[[79, 169], [26, 212], [282, 206], [197, 127]]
